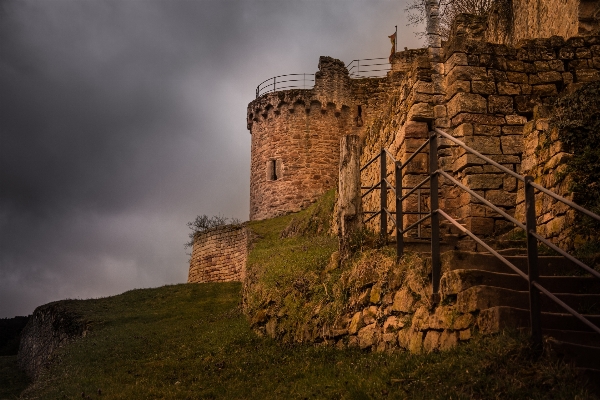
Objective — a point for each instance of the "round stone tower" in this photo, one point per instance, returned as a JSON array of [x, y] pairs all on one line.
[[295, 141]]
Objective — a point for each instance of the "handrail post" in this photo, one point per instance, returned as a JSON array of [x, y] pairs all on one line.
[[399, 216], [383, 205], [435, 219], [532, 263]]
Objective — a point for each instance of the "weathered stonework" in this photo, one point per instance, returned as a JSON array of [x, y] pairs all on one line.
[[219, 255], [514, 20], [300, 129], [545, 160]]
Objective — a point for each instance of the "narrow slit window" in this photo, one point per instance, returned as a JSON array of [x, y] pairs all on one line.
[[359, 120], [273, 170]]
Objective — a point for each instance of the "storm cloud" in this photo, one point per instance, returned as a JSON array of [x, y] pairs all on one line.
[[122, 120]]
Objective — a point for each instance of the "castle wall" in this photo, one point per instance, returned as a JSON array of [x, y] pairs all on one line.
[[483, 94], [296, 133], [515, 20], [544, 158], [219, 255], [302, 135]]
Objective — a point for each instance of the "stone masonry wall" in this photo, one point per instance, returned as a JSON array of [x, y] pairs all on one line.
[[492, 92], [299, 131], [219, 255], [515, 20], [483, 94], [545, 159]]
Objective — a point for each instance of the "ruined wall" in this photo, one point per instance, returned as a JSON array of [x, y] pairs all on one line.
[[483, 94], [545, 159], [219, 255], [401, 126], [514, 20], [50, 327]]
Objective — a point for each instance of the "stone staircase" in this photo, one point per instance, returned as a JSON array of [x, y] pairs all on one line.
[[480, 284]]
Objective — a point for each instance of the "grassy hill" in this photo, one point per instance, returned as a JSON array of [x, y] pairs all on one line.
[[190, 341]]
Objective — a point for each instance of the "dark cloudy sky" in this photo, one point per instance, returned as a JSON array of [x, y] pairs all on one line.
[[122, 120]]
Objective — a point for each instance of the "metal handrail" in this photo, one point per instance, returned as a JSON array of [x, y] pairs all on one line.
[[370, 162], [354, 67], [567, 202], [414, 154], [533, 238], [482, 243], [481, 199], [265, 87]]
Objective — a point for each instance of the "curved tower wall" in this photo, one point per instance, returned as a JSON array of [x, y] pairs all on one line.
[[295, 142]]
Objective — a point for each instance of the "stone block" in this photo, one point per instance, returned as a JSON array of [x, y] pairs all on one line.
[[467, 160], [483, 87], [480, 225], [458, 87], [414, 129], [484, 144], [550, 76], [501, 198], [566, 53], [404, 301], [392, 324], [515, 120], [420, 112], [454, 60], [483, 181], [466, 103], [439, 111], [368, 336], [509, 184], [500, 104], [464, 335], [424, 87], [507, 88], [524, 104], [415, 345], [466, 73], [448, 340], [463, 130], [512, 144], [431, 341], [515, 65], [545, 90], [486, 130], [587, 75], [484, 119], [583, 53], [369, 315], [356, 323]]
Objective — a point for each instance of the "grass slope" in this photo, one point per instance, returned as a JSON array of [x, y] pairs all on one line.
[[190, 341]]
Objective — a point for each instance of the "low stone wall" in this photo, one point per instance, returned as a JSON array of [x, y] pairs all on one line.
[[219, 255], [50, 327]]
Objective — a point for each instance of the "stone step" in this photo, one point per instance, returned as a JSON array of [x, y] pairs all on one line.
[[481, 297], [494, 319], [423, 246], [496, 244], [548, 265], [580, 337], [455, 281], [583, 356]]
